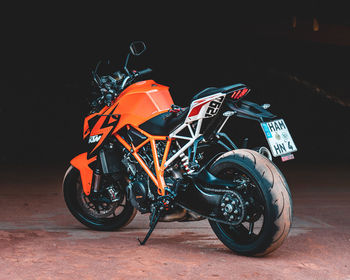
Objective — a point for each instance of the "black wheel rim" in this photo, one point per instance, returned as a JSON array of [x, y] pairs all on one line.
[[120, 212], [248, 231]]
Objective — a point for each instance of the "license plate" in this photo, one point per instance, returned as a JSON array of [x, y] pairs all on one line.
[[278, 137]]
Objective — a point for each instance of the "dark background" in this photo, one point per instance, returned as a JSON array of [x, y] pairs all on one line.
[[48, 53]]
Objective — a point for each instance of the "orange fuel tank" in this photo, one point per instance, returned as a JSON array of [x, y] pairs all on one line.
[[141, 101]]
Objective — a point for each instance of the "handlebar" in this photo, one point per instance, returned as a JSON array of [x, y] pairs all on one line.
[[144, 72], [109, 86]]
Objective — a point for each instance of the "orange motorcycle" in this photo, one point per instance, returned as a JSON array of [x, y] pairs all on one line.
[[176, 164]]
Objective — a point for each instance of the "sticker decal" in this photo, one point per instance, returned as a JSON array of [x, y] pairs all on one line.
[[205, 107], [101, 128], [94, 138], [214, 107], [266, 130]]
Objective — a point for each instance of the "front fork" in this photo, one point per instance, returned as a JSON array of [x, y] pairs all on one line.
[[90, 176], [91, 169], [96, 179]]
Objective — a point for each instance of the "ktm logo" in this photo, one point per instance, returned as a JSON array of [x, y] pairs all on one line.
[[94, 139]]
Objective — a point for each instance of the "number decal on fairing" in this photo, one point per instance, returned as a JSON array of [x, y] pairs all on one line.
[[205, 107], [214, 107]]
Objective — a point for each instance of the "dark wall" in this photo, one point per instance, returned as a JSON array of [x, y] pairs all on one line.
[[47, 58]]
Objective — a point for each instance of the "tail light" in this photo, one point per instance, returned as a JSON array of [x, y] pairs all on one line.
[[238, 94]]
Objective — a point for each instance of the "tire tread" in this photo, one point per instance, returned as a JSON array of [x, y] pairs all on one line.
[[277, 188]]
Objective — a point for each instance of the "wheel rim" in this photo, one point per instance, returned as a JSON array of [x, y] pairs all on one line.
[[252, 227], [117, 211]]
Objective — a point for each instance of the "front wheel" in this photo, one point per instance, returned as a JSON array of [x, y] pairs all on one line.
[[98, 214], [267, 203]]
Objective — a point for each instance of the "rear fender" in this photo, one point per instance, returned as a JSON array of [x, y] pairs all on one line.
[[81, 162], [249, 110]]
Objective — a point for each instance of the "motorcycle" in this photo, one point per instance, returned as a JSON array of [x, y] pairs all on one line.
[[176, 164]]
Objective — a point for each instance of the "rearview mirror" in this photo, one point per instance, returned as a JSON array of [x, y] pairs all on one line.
[[137, 47]]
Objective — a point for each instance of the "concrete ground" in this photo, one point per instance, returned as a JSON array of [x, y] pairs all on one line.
[[39, 239]]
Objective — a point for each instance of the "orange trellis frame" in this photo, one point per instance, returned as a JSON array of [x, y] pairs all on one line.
[[158, 178]]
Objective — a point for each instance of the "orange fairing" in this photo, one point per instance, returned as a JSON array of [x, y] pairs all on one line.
[[81, 163], [138, 103], [141, 101], [86, 130]]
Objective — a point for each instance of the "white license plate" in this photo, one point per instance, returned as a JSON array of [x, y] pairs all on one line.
[[278, 137]]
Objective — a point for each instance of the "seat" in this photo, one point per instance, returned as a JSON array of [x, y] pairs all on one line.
[[212, 90], [165, 123], [206, 92]]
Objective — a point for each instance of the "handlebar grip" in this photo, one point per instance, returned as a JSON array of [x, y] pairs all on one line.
[[144, 72]]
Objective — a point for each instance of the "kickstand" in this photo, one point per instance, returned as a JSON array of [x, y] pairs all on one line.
[[153, 222]]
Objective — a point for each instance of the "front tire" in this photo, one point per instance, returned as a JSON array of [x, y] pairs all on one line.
[[73, 196], [270, 188]]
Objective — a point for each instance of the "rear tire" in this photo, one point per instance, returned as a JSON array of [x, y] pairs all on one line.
[[275, 195], [72, 192]]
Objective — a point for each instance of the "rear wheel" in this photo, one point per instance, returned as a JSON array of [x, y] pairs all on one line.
[[267, 203], [98, 213]]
